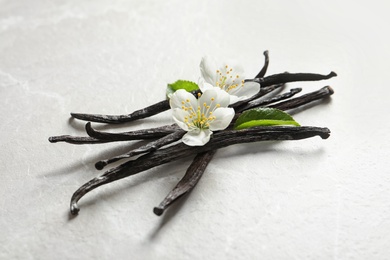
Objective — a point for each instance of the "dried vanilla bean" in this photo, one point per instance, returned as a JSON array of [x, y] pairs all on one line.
[[149, 147], [291, 77], [220, 139], [265, 66], [118, 119], [263, 102], [76, 139], [188, 182], [275, 81], [97, 137], [150, 133], [304, 99]]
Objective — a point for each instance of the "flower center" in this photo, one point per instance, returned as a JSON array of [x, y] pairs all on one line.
[[228, 80], [201, 116]]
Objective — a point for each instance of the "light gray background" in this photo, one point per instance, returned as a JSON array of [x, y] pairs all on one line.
[[310, 199]]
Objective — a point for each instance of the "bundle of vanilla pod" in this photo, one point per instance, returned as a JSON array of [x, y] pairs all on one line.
[[224, 108]]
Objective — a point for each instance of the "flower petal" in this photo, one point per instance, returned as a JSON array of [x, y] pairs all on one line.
[[208, 69], [249, 89], [203, 85], [220, 97], [232, 64], [178, 115], [243, 92], [181, 95], [197, 137], [234, 99], [224, 116]]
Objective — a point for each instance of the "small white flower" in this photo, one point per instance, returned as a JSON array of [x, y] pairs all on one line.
[[201, 116], [229, 78]]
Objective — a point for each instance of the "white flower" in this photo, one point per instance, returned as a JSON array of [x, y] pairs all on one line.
[[201, 116], [229, 78]]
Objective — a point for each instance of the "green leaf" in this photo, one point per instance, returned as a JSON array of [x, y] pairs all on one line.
[[263, 117], [181, 84]]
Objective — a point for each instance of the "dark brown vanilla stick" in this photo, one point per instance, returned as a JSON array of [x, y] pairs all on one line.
[[76, 139], [265, 66], [291, 77], [150, 133], [150, 147], [304, 99], [118, 119], [188, 182], [220, 139], [273, 82], [264, 102], [97, 137]]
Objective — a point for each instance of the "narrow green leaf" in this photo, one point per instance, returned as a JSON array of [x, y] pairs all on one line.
[[181, 84], [254, 123], [263, 117]]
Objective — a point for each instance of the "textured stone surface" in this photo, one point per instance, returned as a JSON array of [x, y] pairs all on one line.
[[311, 199]]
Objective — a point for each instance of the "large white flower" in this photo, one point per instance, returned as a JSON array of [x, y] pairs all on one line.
[[229, 78], [201, 116]]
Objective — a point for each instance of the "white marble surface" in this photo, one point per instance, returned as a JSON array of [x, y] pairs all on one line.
[[310, 199]]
